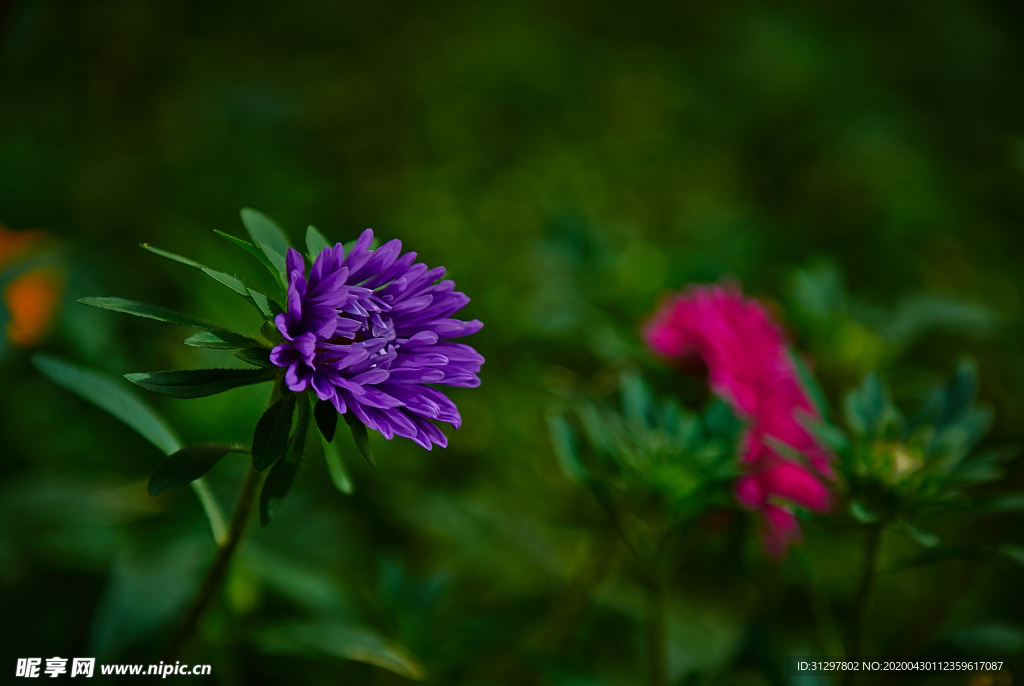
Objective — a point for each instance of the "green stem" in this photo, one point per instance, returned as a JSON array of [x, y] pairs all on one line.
[[215, 575], [862, 601]]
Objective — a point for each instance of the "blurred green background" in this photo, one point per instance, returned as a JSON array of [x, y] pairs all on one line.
[[859, 166]]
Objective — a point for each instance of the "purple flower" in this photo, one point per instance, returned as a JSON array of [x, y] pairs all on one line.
[[369, 330]]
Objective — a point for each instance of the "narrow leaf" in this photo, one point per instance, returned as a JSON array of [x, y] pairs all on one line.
[[220, 341], [326, 419], [276, 259], [282, 475], [185, 466], [170, 256], [197, 383], [255, 252], [265, 230], [315, 242], [336, 467], [361, 438], [117, 399], [257, 356], [160, 314], [120, 401], [225, 279], [345, 642], [270, 439], [268, 307]]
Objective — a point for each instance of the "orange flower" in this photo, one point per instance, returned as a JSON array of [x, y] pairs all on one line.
[[31, 298]]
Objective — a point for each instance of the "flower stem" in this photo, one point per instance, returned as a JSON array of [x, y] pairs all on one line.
[[215, 575], [872, 544]]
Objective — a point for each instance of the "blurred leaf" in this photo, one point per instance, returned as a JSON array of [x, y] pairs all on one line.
[[220, 340], [315, 242], [282, 475], [270, 439], [869, 410], [1012, 552], [564, 443], [1001, 639], [920, 314], [111, 396], [187, 465], [336, 467], [258, 357], [811, 386], [862, 514], [360, 436], [1007, 503], [925, 539], [197, 383], [326, 416], [342, 641], [146, 594]]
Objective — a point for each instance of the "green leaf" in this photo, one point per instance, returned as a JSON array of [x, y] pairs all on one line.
[[925, 539], [1008, 503], [282, 475], [360, 436], [255, 252], [114, 397], [186, 465], [862, 514], [811, 385], [1012, 552], [268, 307], [160, 314], [270, 439], [269, 237], [342, 641], [198, 383], [315, 242], [336, 467], [220, 341], [564, 443], [225, 279], [257, 356], [120, 401], [265, 230], [326, 419], [171, 256]]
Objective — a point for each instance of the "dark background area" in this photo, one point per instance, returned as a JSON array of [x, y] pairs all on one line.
[[858, 166]]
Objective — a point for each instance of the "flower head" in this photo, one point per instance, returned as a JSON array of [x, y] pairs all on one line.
[[368, 330], [749, 365]]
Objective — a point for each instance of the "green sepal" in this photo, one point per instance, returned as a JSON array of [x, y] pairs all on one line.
[[361, 437], [315, 243], [256, 356], [282, 475], [326, 417], [270, 439], [198, 383], [220, 341], [188, 464]]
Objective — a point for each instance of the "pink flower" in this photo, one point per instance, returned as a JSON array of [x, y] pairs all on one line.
[[749, 365]]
